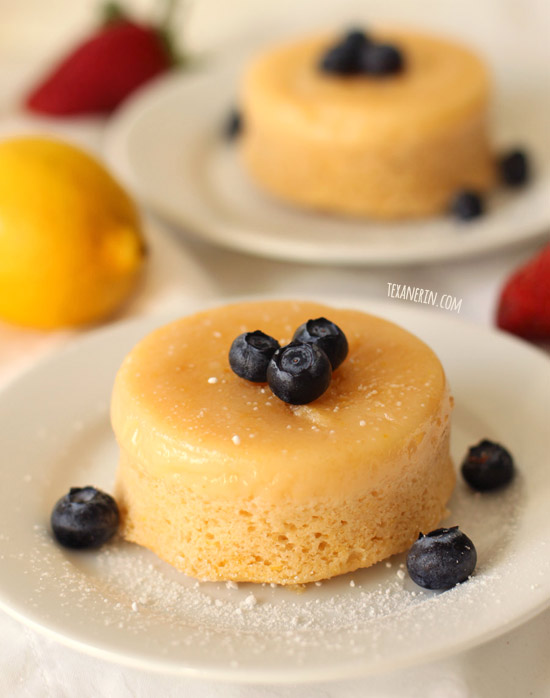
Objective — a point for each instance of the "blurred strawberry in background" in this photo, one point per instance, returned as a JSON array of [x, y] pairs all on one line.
[[96, 76], [524, 305]]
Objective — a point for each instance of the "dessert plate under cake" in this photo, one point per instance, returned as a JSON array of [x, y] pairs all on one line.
[[167, 144], [125, 605]]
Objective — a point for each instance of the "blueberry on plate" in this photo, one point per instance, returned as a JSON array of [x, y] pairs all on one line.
[[441, 559], [233, 125], [250, 354], [467, 205], [299, 373], [381, 60], [487, 466], [514, 168], [326, 335], [84, 518]]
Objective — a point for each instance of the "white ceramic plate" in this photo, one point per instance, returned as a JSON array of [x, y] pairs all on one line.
[[124, 604], [167, 145]]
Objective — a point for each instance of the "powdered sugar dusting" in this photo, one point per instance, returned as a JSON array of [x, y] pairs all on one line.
[[131, 590], [132, 593]]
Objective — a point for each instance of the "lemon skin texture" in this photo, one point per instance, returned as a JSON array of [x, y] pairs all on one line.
[[71, 242]]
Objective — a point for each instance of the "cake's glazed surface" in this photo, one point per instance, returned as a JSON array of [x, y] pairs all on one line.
[[396, 146], [225, 481]]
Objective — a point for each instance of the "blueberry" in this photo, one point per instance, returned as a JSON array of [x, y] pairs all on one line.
[[467, 205], [324, 334], [514, 168], [250, 354], [299, 373], [356, 38], [381, 60], [487, 466], [441, 559], [84, 518], [342, 59], [233, 125]]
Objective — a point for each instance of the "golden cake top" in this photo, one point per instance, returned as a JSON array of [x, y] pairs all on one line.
[[442, 82], [178, 408]]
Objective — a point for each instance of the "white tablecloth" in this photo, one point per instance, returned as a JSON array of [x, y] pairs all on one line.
[[31, 665]]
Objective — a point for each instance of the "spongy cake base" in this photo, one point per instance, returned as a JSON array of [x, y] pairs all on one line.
[[286, 543]]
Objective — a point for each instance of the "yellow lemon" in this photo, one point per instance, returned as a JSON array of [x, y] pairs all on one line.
[[71, 245]]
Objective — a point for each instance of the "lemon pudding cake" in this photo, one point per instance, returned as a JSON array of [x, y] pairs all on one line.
[[226, 481], [385, 126]]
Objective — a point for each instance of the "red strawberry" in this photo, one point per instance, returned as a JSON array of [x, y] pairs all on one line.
[[524, 306], [99, 74]]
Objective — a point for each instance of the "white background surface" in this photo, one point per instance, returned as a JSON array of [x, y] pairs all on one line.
[[512, 666]]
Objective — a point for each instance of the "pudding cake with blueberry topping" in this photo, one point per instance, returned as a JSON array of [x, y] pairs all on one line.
[[385, 125], [279, 441]]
